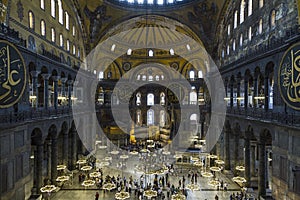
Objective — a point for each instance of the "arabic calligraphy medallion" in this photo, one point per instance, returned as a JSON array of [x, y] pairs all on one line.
[[12, 74], [289, 77]]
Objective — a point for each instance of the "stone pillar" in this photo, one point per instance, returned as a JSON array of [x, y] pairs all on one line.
[[231, 95], [49, 158], [74, 148], [34, 75], [55, 85], [266, 82], [238, 93], [70, 82], [246, 93], [226, 149], [46, 90], [253, 160], [262, 170], [54, 160], [255, 103], [247, 162], [39, 166], [65, 148]]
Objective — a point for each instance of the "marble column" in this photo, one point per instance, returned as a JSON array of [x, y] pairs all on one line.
[[246, 93], [65, 148], [39, 166], [34, 75], [262, 170], [266, 82], [74, 148], [55, 87], [46, 90], [54, 160], [255, 103], [253, 160], [247, 162], [70, 83], [226, 149]]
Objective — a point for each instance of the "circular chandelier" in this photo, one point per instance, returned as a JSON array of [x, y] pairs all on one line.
[[122, 195]]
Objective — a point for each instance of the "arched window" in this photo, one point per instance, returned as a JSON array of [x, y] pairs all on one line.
[[43, 28], [233, 45], [150, 117], [157, 77], [241, 40], [273, 18], [31, 19], [74, 49], [200, 74], [242, 11], [144, 78], [193, 118], [150, 99], [192, 75], [150, 1], [68, 45], [53, 8], [42, 4], [73, 30], [101, 75], [250, 34], [261, 3], [52, 34], [139, 117], [162, 99], [160, 2], [228, 29], [150, 53], [67, 20], [162, 118], [223, 53], [150, 78], [235, 19], [228, 50], [138, 77], [138, 99], [61, 40], [250, 7], [260, 27], [193, 96], [60, 12]]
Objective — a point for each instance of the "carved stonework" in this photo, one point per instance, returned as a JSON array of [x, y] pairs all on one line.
[[20, 10]]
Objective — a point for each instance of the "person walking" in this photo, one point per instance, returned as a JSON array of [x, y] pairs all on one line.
[[97, 196]]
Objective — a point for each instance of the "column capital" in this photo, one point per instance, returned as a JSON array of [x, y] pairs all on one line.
[[55, 78], [35, 74], [46, 76]]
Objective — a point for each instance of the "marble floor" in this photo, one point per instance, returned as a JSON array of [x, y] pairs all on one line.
[[73, 190]]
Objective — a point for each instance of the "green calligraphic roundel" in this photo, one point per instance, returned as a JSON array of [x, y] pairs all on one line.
[[12, 74], [289, 77]]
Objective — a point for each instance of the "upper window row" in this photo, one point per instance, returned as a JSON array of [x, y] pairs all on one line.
[[152, 2]]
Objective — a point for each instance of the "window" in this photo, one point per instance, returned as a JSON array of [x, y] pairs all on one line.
[[228, 30], [150, 1], [250, 8], [235, 19], [162, 120], [52, 34], [233, 45], [68, 45], [223, 53], [140, 1], [160, 2], [31, 19], [138, 99], [200, 74], [150, 117], [172, 52], [250, 34], [273, 18], [73, 30], [192, 75], [43, 28], [129, 52], [150, 99], [162, 99], [101, 75], [260, 27], [193, 96], [228, 49], [242, 11], [241, 40], [53, 8], [78, 52], [139, 117], [261, 3], [74, 50], [150, 53], [60, 13], [61, 40], [42, 4], [67, 20], [170, 1]]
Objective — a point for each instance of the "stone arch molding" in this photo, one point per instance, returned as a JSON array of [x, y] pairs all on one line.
[[104, 51]]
